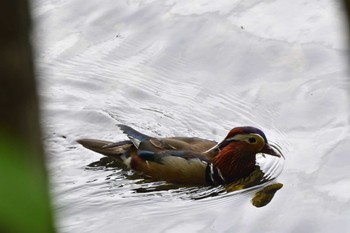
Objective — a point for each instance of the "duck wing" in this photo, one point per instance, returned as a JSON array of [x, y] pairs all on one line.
[[146, 143]]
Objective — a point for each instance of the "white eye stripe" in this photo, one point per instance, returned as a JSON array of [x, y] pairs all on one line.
[[246, 138]]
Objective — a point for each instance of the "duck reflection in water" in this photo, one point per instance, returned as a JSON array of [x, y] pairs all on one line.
[[195, 161]]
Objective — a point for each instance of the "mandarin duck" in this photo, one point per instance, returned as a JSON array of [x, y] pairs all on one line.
[[188, 160]]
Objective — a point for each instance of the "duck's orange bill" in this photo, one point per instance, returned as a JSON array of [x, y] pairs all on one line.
[[272, 150]]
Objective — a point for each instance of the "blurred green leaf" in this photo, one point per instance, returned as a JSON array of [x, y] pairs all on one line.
[[24, 202]]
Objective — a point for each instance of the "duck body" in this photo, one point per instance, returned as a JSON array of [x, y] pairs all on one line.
[[187, 160]]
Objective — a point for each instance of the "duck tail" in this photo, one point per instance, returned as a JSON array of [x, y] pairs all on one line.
[[113, 149]]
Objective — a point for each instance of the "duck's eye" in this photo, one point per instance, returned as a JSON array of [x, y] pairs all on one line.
[[252, 140]]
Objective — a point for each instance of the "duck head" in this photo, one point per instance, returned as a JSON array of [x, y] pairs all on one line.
[[251, 138], [235, 156]]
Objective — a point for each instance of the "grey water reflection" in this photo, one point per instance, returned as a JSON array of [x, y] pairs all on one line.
[[196, 69], [262, 185]]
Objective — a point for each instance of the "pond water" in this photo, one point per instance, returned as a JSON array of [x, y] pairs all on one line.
[[180, 68]]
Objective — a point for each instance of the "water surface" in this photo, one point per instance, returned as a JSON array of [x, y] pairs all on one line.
[[171, 68]]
